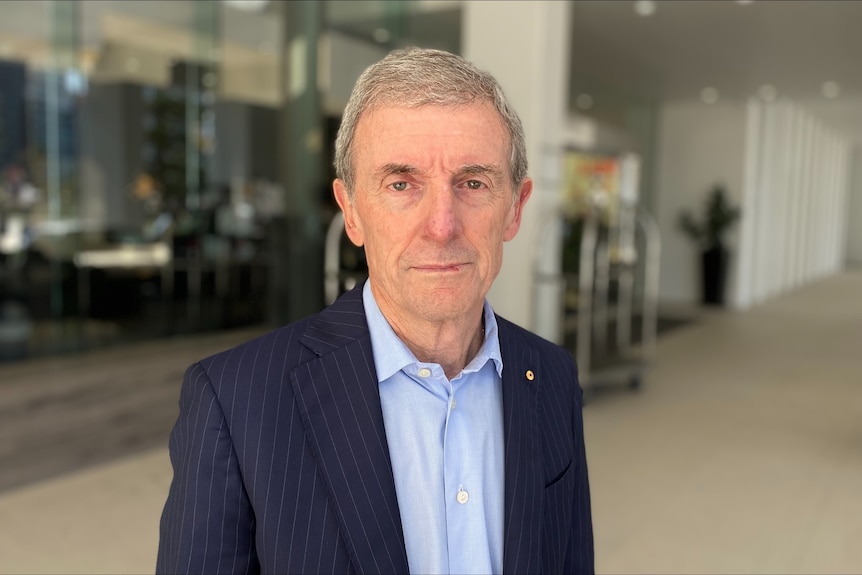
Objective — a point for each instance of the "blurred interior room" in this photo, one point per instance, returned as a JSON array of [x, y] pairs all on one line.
[[694, 240]]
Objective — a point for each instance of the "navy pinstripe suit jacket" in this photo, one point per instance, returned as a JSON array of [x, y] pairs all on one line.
[[281, 463]]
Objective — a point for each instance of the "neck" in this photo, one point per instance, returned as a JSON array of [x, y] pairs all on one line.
[[449, 343]]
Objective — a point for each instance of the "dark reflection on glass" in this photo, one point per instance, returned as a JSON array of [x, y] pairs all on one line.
[[145, 187]]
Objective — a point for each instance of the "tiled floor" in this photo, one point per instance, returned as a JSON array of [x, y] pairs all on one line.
[[69, 412], [742, 454]]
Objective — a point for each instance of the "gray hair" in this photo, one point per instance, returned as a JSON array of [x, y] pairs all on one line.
[[414, 77]]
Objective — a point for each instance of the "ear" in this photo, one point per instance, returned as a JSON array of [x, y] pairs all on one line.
[[352, 223], [517, 209]]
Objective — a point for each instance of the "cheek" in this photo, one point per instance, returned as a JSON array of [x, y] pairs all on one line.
[[384, 244]]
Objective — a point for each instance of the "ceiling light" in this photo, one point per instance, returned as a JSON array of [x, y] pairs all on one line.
[[645, 7], [830, 90], [584, 101], [709, 95], [768, 92], [744, 2], [247, 5]]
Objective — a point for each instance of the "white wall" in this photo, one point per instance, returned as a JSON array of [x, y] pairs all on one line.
[[795, 198], [699, 146], [787, 171], [854, 212]]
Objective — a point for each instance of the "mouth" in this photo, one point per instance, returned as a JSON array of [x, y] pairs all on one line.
[[440, 268]]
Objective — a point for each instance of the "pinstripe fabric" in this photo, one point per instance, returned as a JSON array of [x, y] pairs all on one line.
[[548, 522], [281, 463]]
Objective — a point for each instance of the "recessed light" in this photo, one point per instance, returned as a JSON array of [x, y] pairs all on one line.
[[744, 2], [645, 7], [584, 101], [709, 95], [247, 5], [830, 90], [768, 92]]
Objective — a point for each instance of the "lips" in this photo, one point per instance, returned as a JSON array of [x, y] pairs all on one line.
[[439, 267]]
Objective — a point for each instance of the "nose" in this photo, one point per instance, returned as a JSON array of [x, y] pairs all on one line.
[[442, 222]]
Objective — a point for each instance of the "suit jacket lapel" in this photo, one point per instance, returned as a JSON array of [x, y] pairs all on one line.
[[524, 487], [339, 400]]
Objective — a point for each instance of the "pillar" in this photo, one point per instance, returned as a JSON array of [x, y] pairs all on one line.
[[296, 240], [525, 45]]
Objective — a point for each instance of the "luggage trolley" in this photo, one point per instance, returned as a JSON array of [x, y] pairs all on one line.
[[606, 288]]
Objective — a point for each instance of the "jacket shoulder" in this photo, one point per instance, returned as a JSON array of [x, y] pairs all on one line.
[[545, 349], [273, 355], [282, 342]]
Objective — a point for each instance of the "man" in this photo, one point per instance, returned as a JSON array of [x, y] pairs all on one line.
[[405, 428]]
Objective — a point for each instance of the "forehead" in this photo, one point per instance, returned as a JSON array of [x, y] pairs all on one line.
[[431, 132]]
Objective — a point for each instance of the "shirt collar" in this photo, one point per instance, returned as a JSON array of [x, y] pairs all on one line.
[[391, 355]]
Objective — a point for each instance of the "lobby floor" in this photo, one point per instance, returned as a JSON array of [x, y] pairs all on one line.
[[741, 454]]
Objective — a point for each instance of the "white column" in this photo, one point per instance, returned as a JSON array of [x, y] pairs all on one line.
[[804, 180], [848, 203], [780, 200], [525, 45], [763, 219], [751, 173], [794, 189]]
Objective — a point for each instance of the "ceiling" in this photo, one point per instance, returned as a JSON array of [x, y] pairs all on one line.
[[617, 55], [733, 47]]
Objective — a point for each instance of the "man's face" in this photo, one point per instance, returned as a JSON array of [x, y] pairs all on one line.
[[433, 205]]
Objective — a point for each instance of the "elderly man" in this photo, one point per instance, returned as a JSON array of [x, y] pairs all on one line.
[[405, 428]]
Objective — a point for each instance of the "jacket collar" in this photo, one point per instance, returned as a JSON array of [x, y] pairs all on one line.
[[338, 399]]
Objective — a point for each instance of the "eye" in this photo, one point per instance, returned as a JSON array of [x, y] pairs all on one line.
[[399, 186], [474, 184]]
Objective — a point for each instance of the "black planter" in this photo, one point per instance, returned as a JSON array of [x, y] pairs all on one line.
[[714, 274]]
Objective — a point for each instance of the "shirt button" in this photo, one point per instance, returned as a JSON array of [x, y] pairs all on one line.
[[452, 404], [462, 496], [424, 372]]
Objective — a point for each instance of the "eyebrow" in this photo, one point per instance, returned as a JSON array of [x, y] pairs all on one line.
[[393, 169], [396, 169], [479, 170]]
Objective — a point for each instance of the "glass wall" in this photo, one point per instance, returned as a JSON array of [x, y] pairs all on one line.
[[145, 187]]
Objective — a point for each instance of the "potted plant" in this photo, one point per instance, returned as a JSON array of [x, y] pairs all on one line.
[[719, 216]]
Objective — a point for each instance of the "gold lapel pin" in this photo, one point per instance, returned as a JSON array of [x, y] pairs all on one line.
[[530, 375]]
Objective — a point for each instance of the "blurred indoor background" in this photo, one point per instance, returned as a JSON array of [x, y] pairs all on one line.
[[694, 239]]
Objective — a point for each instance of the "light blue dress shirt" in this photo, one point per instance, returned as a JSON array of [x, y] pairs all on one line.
[[446, 445]]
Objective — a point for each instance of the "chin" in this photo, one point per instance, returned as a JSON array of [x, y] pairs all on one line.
[[444, 305]]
